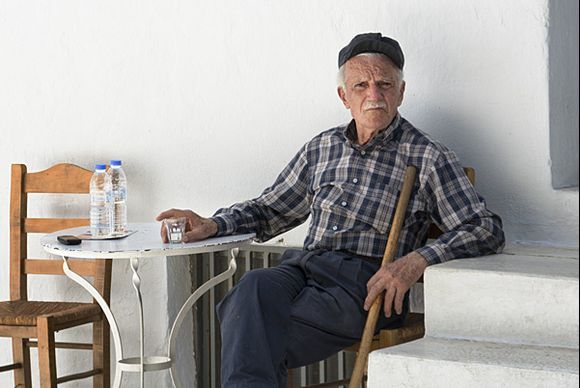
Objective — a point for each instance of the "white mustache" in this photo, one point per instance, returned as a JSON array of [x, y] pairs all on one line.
[[374, 105]]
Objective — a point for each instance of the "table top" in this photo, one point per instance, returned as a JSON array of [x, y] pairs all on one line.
[[145, 242]]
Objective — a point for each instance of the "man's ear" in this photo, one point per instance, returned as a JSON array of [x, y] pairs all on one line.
[[342, 96]]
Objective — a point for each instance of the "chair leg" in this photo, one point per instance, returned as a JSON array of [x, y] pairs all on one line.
[[21, 355], [46, 352], [290, 378], [101, 354]]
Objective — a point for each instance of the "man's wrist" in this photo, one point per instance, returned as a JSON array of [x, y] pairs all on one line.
[[433, 253], [419, 258], [211, 227], [418, 263], [222, 225]]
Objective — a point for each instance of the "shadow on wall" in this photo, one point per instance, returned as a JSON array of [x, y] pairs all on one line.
[[498, 167]]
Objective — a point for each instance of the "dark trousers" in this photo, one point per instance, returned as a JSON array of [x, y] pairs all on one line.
[[302, 311]]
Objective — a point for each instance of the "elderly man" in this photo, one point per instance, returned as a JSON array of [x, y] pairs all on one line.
[[347, 179]]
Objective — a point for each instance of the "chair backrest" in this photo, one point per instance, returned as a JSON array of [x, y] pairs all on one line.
[[434, 231], [58, 179]]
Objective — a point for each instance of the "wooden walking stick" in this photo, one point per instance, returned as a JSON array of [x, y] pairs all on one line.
[[390, 251]]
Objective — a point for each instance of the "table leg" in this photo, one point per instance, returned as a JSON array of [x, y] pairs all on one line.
[[108, 314], [187, 308], [137, 286]]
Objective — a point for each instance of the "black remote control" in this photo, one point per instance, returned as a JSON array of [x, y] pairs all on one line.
[[69, 240]]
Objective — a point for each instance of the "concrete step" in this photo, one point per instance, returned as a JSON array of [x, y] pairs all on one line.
[[437, 362], [521, 299]]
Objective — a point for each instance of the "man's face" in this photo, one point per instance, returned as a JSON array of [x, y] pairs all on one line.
[[373, 92]]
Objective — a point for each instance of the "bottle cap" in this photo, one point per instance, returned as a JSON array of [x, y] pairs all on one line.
[[116, 163], [100, 167]]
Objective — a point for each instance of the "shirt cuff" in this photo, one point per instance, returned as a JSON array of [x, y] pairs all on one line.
[[225, 225], [433, 253]]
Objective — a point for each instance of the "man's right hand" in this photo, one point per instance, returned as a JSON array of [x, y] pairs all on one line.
[[197, 228]]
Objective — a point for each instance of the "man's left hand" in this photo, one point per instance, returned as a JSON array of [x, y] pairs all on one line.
[[396, 279]]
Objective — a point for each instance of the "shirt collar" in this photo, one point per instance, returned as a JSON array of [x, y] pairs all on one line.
[[383, 136]]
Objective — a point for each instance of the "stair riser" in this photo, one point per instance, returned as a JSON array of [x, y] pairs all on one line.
[[501, 307]]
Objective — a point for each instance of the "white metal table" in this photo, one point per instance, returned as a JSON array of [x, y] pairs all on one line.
[[145, 242]]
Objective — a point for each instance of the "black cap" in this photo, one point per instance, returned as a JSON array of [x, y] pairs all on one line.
[[372, 43]]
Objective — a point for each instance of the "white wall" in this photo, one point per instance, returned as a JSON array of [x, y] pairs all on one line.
[[205, 102]]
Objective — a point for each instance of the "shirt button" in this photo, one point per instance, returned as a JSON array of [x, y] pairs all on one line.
[[355, 180], [363, 153], [335, 227], [343, 203]]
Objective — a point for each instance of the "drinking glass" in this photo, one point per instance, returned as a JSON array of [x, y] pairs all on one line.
[[175, 228]]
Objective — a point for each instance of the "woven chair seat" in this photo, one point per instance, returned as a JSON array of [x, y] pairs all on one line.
[[413, 327], [24, 312]]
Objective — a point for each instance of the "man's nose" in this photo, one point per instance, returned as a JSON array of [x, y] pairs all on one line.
[[373, 92]]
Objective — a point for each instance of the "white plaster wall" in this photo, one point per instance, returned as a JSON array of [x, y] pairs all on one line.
[[206, 101]]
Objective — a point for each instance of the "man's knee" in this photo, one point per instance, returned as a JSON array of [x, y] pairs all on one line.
[[254, 277], [243, 293]]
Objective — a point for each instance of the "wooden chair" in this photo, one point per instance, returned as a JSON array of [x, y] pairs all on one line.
[[22, 319], [412, 329]]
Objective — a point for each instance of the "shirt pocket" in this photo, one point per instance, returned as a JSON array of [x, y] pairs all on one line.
[[326, 196], [377, 207], [358, 208]]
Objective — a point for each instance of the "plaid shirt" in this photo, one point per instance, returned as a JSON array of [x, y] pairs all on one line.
[[351, 192]]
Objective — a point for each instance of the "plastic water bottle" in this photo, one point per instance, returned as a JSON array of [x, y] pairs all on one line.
[[101, 202], [119, 180]]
